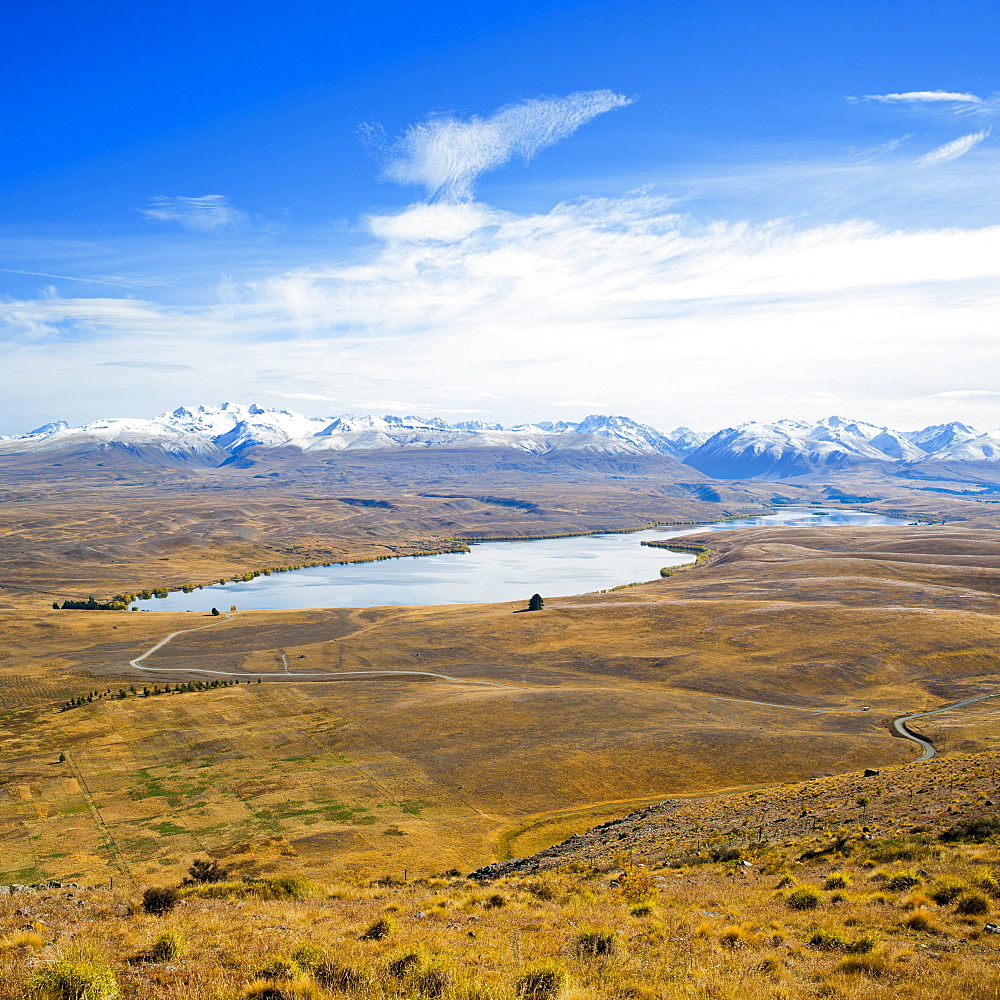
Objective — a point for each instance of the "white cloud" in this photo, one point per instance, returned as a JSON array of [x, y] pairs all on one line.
[[440, 221], [207, 213], [924, 96], [310, 396], [616, 305], [952, 150], [446, 154], [964, 394]]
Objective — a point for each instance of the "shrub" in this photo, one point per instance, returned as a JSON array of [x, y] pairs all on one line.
[[637, 885], [168, 946], [972, 903], [541, 982], [158, 901], [541, 889], [837, 880], [79, 976], [596, 943], [377, 930], [947, 889], [976, 829], [807, 897], [203, 870], [494, 902]]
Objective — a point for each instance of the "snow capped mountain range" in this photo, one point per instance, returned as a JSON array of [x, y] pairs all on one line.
[[217, 435]]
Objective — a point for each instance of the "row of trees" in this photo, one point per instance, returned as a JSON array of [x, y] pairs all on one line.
[[147, 692]]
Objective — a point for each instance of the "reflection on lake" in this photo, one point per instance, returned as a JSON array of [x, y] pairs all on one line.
[[490, 571]]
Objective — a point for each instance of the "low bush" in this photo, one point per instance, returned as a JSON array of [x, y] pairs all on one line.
[[160, 900], [975, 829], [806, 897]]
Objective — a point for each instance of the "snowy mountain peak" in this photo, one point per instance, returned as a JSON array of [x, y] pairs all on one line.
[[211, 435]]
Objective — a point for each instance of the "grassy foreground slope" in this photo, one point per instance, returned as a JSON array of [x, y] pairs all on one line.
[[882, 888], [552, 721]]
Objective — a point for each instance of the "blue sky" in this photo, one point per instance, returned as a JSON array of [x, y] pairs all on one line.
[[689, 212]]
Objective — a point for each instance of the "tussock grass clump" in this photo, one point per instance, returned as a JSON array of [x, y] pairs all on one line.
[[829, 940], [872, 966], [494, 902], [985, 879], [279, 969], [972, 903], [168, 946], [902, 880], [541, 982], [81, 975], [837, 880], [273, 887], [22, 940], [301, 990], [378, 929], [806, 897], [947, 889], [308, 955], [342, 978], [594, 943], [923, 921]]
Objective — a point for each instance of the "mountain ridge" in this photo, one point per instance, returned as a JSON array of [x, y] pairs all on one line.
[[211, 435]]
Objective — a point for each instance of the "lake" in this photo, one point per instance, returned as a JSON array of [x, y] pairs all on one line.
[[489, 571]]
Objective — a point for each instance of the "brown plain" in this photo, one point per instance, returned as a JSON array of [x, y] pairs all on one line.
[[548, 722]]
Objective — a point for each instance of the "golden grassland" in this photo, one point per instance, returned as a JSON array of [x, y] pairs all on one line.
[[552, 721], [664, 904]]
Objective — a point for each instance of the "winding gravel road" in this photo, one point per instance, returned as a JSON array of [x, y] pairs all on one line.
[[900, 725], [287, 676]]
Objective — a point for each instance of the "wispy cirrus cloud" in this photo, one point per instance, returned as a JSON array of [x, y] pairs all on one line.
[[207, 213], [446, 154], [965, 394], [923, 97], [952, 150]]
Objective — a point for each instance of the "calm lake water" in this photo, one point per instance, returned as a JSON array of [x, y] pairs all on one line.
[[489, 572]]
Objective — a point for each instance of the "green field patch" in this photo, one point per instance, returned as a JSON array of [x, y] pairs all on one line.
[[414, 806], [167, 828]]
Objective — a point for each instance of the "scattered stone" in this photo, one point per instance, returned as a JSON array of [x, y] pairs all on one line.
[[992, 928], [870, 772]]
